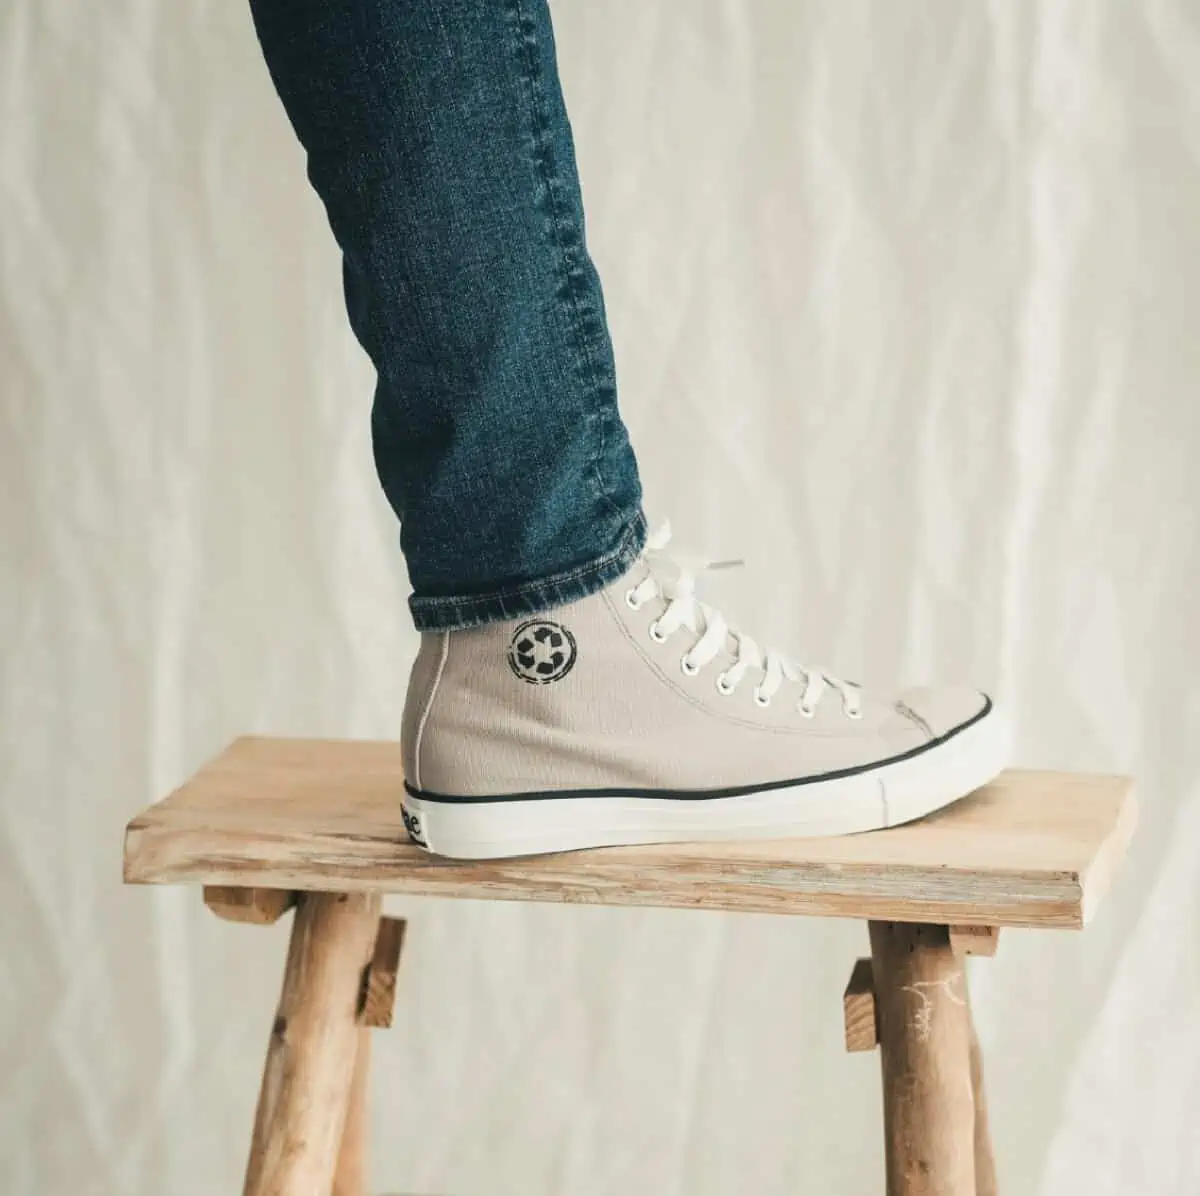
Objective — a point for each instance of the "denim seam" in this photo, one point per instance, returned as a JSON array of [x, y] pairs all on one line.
[[556, 590], [527, 40]]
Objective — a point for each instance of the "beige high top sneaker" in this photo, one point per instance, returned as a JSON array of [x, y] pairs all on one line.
[[637, 716]]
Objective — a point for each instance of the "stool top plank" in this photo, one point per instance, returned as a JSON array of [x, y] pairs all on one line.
[[1030, 849]]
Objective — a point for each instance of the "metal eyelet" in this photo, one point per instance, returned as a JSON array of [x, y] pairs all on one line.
[[761, 699], [724, 688], [806, 711], [632, 601], [688, 669], [656, 635]]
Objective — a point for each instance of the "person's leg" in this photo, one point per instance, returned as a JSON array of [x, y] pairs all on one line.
[[630, 712], [438, 140]]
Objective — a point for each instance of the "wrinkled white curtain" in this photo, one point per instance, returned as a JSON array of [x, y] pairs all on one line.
[[905, 301]]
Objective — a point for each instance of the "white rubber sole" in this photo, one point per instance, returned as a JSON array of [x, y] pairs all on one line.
[[888, 795]]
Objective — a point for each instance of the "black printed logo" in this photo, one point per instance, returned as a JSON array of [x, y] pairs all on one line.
[[541, 652], [412, 824]]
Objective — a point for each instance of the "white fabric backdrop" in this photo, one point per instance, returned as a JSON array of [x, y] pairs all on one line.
[[904, 299]]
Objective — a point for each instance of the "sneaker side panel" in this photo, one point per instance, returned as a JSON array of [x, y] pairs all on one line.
[[623, 716]]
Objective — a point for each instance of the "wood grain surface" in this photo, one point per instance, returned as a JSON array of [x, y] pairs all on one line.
[[858, 1008], [309, 1074], [985, 1162], [975, 940], [379, 997], [350, 1178], [924, 1043], [256, 907], [1030, 849]]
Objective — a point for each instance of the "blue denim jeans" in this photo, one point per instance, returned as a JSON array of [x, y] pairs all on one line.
[[438, 140]]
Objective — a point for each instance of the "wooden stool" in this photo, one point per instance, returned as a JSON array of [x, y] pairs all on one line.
[[273, 823]]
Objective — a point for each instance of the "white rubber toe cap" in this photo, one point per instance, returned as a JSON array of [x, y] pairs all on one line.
[[943, 709]]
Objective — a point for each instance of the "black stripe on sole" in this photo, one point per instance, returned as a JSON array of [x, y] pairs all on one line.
[[706, 794]]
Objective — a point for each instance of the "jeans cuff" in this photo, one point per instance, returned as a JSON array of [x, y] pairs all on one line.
[[531, 597]]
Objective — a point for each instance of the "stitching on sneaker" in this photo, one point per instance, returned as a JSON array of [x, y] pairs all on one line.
[[433, 690]]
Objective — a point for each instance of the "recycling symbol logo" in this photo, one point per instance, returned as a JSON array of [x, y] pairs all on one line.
[[541, 652]]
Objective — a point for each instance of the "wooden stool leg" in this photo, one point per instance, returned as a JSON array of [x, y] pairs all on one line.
[[310, 1066], [985, 1166], [351, 1176], [924, 1040]]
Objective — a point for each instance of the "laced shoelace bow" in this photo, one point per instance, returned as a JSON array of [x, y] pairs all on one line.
[[672, 577]]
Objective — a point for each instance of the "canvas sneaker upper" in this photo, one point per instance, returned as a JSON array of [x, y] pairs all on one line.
[[641, 715]]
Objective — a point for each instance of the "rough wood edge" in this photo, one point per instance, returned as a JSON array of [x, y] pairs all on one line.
[[975, 940], [160, 854], [858, 1008], [379, 985], [257, 907], [1098, 877], [135, 832]]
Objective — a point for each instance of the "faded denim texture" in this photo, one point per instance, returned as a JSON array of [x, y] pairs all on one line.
[[438, 140]]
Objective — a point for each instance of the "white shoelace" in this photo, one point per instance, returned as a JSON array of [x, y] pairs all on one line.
[[673, 578]]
